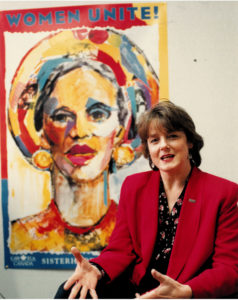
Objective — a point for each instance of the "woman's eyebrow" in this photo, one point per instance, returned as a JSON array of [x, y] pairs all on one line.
[[61, 109], [50, 105], [153, 135], [92, 101]]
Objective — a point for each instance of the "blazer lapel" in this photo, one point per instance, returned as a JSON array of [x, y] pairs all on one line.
[[149, 222], [187, 227]]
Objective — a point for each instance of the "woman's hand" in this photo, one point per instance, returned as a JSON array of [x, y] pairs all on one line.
[[85, 277], [168, 288]]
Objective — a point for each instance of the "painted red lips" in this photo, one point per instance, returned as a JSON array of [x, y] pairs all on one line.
[[78, 154]]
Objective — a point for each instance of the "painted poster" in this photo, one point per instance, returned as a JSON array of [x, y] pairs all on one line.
[[74, 81]]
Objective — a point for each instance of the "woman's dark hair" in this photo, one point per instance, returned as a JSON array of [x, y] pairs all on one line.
[[172, 118]]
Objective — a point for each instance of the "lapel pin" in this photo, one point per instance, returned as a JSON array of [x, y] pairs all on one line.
[[192, 200]]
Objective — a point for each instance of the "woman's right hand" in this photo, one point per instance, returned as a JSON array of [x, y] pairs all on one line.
[[84, 278]]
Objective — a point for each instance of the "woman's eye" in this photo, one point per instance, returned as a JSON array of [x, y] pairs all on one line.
[[154, 140], [62, 118], [172, 136], [98, 113]]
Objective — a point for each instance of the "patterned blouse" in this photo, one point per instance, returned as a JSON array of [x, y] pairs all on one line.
[[168, 222]]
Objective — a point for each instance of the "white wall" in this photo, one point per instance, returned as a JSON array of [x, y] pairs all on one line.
[[203, 68]]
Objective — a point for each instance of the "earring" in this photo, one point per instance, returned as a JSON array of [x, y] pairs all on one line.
[[42, 159], [190, 157], [123, 155], [152, 165]]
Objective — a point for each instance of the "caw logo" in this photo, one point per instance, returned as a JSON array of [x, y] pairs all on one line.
[[22, 260]]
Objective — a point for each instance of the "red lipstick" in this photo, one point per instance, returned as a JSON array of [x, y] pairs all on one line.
[[79, 155], [78, 149]]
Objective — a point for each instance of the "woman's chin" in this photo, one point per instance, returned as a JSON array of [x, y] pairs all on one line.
[[89, 171], [84, 174]]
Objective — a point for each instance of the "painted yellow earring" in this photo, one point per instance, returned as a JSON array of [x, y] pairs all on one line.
[[42, 159], [123, 155]]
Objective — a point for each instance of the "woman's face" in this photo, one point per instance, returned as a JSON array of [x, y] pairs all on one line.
[[80, 123], [169, 151]]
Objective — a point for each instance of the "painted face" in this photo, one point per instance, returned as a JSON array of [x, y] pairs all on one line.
[[81, 122], [168, 151]]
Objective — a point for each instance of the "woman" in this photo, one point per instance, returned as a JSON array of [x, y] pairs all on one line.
[[177, 227], [85, 106]]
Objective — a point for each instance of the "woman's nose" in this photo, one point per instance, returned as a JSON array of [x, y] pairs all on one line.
[[80, 129], [163, 143]]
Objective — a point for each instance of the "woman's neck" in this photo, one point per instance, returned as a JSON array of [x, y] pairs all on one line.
[[176, 177], [174, 183], [82, 204]]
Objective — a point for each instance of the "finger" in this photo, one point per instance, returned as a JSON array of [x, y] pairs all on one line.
[[75, 291], [68, 283], [83, 292], [149, 295], [73, 279], [158, 276], [93, 293], [76, 254]]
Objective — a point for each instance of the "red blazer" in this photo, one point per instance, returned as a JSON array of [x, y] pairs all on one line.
[[205, 251]]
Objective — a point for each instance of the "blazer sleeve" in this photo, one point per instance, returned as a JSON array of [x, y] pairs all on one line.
[[119, 253], [221, 279]]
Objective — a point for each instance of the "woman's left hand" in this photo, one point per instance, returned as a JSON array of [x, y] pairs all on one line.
[[168, 288]]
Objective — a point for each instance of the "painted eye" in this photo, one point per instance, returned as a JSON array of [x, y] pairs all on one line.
[[98, 113], [63, 117]]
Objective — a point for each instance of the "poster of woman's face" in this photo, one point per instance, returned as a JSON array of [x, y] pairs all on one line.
[[73, 98]]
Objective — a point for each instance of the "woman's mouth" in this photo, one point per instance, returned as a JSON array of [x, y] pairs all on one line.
[[79, 155], [167, 157]]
